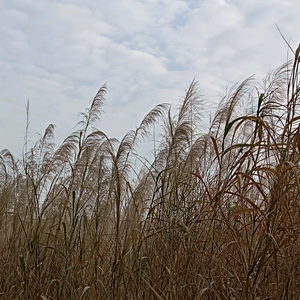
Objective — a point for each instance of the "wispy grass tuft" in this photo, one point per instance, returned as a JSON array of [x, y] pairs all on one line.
[[214, 215]]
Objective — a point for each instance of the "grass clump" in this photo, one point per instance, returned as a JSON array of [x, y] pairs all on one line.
[[215, 215]]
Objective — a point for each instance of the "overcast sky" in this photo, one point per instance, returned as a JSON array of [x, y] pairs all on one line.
[[57, 54]]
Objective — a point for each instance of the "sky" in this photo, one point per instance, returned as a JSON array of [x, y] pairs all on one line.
[[58, 53]]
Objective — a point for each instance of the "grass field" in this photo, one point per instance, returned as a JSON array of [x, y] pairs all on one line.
[[215, 215]]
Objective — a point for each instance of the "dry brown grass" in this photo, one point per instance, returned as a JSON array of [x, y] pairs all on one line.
[[214, 216]]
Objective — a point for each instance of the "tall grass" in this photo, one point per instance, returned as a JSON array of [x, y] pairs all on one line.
[[215, 215]]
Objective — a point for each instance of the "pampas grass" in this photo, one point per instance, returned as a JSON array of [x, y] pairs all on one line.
[[215, 215]]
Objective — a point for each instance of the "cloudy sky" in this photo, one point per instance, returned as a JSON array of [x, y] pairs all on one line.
[[57, 54]]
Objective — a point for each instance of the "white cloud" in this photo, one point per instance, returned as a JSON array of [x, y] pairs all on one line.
[[58, 53]]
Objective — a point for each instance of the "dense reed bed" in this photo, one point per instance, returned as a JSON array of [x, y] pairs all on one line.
[[214, 215]]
